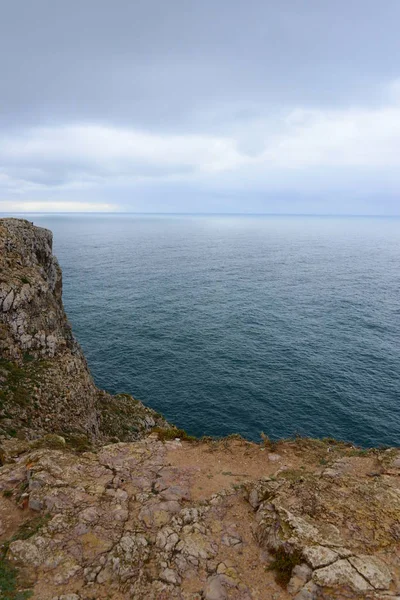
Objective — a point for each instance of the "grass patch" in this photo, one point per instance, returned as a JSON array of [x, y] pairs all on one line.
[[293, 475], [30, 528], [9, 583], [10, 587], [28, 357], [360, 452], [171, 433], [11, 432], [20, 380], [283, 565]]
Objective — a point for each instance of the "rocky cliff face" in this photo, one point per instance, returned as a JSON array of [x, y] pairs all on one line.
[[45, 383], [163, 518]]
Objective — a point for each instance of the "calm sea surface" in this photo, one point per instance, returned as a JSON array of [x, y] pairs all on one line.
[[241, 324]]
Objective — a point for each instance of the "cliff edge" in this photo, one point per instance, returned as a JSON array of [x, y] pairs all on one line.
[[96, 503], [46, 386]]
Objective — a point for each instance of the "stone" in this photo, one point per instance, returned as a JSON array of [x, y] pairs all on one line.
[[273, 457], [170, 576], [159, 514], [301, 574], [231, 536], [8, 300], [374, 570], [395, 464], [308, 592], [25, 553], [319, 556], [341, 573], [214, 590], [36, 504]]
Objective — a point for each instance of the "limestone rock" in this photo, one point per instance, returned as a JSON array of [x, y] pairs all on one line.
[[46, 384], [319, 556], [373, 570], [341, 573], [25, 553], [214, 589], [308, 592], [301, 574]]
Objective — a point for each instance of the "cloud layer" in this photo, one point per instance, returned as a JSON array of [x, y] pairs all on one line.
[[136, 107]]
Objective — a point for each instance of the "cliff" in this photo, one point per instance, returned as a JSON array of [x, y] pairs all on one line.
[[46, 384], [98, 503]]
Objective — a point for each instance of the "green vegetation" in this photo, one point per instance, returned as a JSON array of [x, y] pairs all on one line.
[[11, 432], [51, 440], [10, 587], [269, 444], [293, 475], [8, 583], [172, 433], [28, 357], [78, 442], [20, 380], [30, 528], [283, 564]]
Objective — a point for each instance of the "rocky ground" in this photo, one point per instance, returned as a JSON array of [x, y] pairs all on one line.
[[100, 498], [209, 520]]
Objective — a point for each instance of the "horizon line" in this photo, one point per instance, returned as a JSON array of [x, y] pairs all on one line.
[[239, 214]]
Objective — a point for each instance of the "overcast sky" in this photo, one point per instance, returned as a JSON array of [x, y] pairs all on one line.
[[279, 106]]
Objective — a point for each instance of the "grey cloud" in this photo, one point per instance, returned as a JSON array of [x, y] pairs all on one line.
[[158, 63], [223, 68]]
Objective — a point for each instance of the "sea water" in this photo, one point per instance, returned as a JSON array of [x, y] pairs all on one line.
[[286, 325]]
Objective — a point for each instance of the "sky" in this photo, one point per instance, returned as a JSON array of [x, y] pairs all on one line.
[[253, 106]]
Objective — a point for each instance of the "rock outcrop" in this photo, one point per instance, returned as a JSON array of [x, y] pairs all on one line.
[[154, 517], [45, 383]]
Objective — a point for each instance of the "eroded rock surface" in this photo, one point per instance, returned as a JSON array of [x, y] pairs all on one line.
[[45, 383], [128, 521]]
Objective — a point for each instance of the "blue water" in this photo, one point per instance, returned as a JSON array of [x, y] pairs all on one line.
[[241, 324]]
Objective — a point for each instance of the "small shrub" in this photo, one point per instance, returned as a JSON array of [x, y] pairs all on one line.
[[78, 442], [293, 475], [269, 444], [28, 357], [171, 433], [51, 440], [283, 564]]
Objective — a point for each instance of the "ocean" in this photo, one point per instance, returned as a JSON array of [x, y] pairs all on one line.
[[241, 324]]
